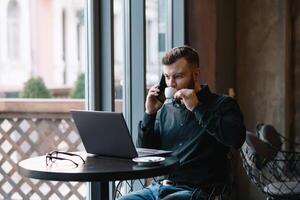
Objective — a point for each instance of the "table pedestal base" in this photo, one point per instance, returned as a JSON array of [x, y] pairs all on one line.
[[100, 190]]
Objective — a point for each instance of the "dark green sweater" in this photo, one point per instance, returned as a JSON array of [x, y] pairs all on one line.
[[200, 139]]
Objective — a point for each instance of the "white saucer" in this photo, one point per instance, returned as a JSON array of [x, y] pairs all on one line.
[[148, 160]]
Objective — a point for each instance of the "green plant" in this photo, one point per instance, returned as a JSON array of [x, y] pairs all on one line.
[[78, 90], [35, 88]]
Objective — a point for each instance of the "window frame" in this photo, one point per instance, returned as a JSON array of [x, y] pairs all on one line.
[[99, 80]]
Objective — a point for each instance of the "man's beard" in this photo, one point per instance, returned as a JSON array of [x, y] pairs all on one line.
[[191, 84]]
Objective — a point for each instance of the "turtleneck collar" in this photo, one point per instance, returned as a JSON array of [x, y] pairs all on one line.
[[204, 94]]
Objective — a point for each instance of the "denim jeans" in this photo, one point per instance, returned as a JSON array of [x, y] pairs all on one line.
[[157, 191]]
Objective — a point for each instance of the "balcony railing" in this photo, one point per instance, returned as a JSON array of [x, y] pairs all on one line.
[[30, 127], [34, 127]]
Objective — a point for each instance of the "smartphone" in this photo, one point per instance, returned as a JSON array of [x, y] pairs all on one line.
[[162, 85]]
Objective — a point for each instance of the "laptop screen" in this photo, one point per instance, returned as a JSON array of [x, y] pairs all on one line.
[[104, 133]]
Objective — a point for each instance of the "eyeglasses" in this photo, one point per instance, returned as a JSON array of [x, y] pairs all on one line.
[[54, 155]]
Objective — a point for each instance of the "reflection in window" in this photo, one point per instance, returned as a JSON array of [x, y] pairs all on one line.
[[13, 29]]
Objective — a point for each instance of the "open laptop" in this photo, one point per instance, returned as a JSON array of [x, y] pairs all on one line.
[[106, 134]]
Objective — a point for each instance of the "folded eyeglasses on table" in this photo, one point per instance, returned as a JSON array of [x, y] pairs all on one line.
[[53, 156]]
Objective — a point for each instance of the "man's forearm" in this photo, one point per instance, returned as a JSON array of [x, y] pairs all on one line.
[[225, 124]]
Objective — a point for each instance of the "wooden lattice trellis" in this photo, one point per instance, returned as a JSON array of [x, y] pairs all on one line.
[[24, 135], [34, 127]]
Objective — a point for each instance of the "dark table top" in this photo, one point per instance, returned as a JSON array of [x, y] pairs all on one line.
[[95, 169]]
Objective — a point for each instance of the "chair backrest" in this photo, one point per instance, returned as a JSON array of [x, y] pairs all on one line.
[[273, 170], [269, 134], [257, 151]]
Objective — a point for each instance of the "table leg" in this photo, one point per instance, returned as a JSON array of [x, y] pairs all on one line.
[[100, 190]]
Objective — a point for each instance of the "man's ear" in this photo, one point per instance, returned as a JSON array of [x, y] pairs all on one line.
[[196, 73]]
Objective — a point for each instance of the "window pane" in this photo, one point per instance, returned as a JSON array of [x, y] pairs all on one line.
[[119, 69], [13, 28], [119, 53], [157, 38], [42, 64]]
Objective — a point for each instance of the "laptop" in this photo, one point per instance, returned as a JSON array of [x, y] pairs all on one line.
[[106, 134]]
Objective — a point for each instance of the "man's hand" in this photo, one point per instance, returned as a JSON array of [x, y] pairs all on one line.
[[188, 97], [152, 103]]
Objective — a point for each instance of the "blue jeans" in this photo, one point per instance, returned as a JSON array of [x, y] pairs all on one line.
[[157, 191]]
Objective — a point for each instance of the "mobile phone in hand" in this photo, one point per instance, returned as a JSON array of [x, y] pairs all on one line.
[[162, 85]]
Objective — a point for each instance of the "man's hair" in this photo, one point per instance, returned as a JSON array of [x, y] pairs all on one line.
[[187, 52]]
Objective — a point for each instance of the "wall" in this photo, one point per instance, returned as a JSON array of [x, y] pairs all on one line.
[[261, 69], [246, 44], [225, 45], [201, 34], [296, 64], [210, 30]]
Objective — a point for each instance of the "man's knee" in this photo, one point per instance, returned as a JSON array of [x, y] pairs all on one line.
[[181, 195], [144, 194], [127, 197], [131, 197]]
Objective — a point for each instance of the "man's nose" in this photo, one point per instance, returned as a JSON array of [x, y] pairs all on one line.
[[172, 83]]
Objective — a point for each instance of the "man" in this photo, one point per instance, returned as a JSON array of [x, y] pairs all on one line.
[[199, 127]]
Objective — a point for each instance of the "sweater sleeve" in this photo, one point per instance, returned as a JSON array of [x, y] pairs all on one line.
[[224, 123], [148, 134]]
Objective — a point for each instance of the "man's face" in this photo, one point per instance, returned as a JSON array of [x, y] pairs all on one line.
[[180, 75]]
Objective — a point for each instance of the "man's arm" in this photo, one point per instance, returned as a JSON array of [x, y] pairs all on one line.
[[225, 124], [148, 135]]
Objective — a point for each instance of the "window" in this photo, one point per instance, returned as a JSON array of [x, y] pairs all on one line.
[[44, 42], [119, 53], [124, 40], [145, 33], [158, 37], [13, 30]]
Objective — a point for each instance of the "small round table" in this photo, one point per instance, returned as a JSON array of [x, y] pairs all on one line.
[[96, 169]]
